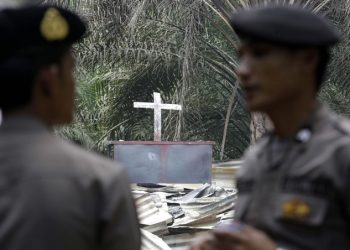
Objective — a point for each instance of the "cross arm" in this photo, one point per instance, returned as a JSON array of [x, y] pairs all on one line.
[[147, 105], [171, 106]]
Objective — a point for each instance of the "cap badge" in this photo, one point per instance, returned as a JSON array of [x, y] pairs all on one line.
[[54, 26], [296, 209]]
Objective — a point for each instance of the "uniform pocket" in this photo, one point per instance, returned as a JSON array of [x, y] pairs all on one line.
[[301, 209]]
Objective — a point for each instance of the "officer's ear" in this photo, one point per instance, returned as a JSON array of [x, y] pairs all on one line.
[[48, 80], [310, 60]]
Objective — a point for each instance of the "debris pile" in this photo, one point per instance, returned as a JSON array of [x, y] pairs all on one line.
[[170, 215]]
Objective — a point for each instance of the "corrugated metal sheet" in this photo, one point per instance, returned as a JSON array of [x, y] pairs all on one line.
[[191, 212], [179, 241], [152, 242], [223, 173], [151, 211]]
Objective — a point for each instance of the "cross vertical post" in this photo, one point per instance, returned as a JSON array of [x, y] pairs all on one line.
[[157, 117]]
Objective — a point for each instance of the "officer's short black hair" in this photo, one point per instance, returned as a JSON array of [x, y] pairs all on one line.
[[289, 26], [18, 73], [323, 60], [32, 38]]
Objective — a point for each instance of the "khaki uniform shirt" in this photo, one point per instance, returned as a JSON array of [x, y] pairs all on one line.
[[55, 196], [297, 190]]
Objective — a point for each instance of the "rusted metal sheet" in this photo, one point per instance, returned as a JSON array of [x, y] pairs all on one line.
[[166, 162]]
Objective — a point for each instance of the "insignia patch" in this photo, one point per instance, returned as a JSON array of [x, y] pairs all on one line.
[[296, 209], [54, 26]]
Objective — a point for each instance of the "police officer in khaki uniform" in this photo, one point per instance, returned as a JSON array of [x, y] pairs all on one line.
[[294, 185], [53, 195]]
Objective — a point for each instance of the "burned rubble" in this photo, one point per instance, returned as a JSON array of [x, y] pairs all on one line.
[[170, 215]]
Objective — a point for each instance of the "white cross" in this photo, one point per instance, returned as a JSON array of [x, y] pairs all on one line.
[[157, 106]]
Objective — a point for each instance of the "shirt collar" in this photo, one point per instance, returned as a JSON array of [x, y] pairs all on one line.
[[23, 122], [312, 124]]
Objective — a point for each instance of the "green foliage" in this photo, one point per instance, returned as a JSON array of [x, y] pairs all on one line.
[[337, 98], [178, 48], [183, 49]]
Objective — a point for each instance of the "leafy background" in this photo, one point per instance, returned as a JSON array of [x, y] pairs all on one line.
[[185, 50]]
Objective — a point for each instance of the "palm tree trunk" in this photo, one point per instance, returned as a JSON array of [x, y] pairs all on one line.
[[227, 120], [258, 126]]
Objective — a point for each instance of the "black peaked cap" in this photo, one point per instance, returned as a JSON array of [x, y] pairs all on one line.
[[36, 26], [285, 25]]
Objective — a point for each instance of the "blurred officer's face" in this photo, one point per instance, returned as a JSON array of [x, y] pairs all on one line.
[[66, 86], [272, 76], [53, 93]]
